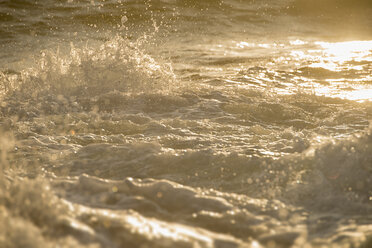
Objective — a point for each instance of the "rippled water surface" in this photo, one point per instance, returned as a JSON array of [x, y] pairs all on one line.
[[170, 123]]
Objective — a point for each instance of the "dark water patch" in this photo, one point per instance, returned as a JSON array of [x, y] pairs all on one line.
[[329, 7]]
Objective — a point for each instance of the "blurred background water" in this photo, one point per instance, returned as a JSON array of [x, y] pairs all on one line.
[[180, 123]]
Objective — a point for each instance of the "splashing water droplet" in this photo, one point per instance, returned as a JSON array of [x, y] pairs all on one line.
[[124, 19]]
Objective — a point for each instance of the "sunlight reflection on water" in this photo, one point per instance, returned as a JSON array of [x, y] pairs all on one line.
[[341, 52], [332, 69], [346, 56]]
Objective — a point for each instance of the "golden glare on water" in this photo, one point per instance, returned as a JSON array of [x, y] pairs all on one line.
[[156, 230], [344, 57], [357, 94], [341, 52], [339, 69], [332, 69]]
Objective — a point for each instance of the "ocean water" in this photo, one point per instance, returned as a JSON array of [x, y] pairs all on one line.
[[181, 123]]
